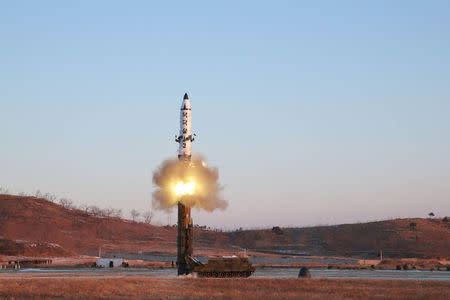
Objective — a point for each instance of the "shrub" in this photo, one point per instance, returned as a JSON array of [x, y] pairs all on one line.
[[277, 230]]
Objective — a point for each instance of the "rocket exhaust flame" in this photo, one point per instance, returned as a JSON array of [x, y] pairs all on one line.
[[182, 188], [192, 183]]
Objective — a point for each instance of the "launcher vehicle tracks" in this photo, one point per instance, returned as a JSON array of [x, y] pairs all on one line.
[[223, 267]]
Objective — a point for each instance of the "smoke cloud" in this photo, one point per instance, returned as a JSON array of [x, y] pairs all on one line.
[[207, 188]]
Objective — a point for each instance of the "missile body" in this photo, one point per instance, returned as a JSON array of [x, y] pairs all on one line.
[[185, 137], [184, 238]]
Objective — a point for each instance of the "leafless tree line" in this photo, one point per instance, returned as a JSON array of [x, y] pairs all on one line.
[[92, 210], [96, 211], [147, 216], [110, 212]]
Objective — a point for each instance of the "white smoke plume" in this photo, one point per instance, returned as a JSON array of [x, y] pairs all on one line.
[[207, 188]]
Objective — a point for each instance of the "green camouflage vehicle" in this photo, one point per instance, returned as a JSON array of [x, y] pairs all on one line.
[[223, 267]]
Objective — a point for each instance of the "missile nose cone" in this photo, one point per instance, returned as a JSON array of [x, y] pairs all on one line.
[[185, 96]]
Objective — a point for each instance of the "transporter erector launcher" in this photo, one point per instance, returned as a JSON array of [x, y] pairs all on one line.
[[184, 238]]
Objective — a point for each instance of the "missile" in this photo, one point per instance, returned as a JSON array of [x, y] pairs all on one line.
[[184, 236], [185, 138]]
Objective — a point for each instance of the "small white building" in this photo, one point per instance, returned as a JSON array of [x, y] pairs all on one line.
[[109, 262]]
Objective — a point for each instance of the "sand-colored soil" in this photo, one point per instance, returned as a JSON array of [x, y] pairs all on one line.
[[194, 288]]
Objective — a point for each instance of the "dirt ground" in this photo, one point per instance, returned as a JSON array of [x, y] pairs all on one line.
[[194, 288], [386, 264]]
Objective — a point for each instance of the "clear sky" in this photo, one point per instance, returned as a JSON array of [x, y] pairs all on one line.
[[315, 112]]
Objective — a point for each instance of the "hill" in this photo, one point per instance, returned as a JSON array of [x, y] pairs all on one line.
[[421, 238], [38, 220], [30, 225]]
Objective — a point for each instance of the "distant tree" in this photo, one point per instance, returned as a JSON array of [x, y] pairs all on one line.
[[412, 226], [94, 210], [446, 219], [84, 207], [66, 203], [49, 197], [431, 214], [118, 213], [108, 212], [277, 230], [134, 214], [148, 216]]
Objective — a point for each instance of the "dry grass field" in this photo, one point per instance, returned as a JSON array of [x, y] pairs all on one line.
[[193, 288]]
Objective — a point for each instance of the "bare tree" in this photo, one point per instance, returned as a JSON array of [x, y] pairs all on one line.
[[134, 214], [94, 210], [108, 212], [66, 203], [148, 216], [118, 213], [84, 207], [49, 197]]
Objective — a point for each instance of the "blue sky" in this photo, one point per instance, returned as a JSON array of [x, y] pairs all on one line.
[[315, 113]]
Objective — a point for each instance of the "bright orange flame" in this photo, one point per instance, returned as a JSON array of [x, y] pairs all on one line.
[[182, 188]]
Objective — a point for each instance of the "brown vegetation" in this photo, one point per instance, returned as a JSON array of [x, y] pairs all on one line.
[[414, 263], [427, 238], [192, 288], [40, 222], [32, 249]]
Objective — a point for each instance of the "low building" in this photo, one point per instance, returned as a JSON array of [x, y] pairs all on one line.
[[109, 262]]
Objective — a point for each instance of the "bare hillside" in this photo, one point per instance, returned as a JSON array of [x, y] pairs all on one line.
[[39, 220], [33, 226], [422, 238]]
